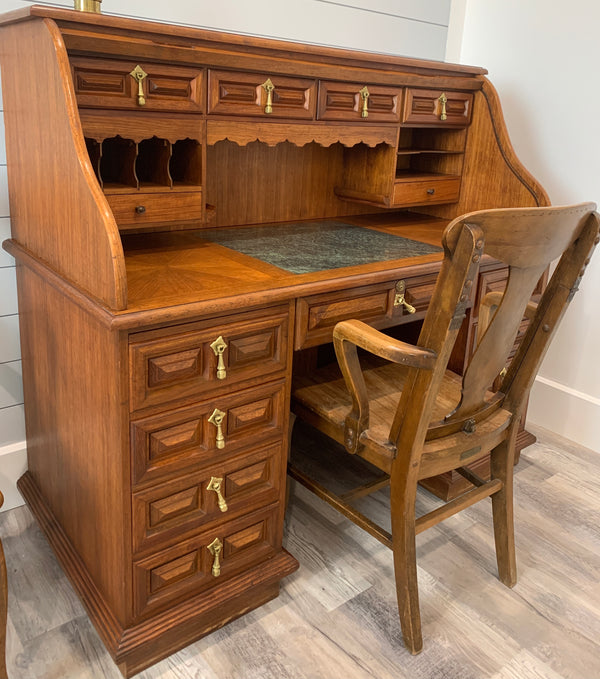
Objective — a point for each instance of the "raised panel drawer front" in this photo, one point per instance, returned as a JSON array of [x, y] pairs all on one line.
[[139, 209], [184, 440], [191, 567], [350, 101], [428, 108], [177, 363], [430, 191], [108, 83], [220, 492], [247, 94]]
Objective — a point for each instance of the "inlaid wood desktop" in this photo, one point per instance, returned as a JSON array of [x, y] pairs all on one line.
[[192, 213]]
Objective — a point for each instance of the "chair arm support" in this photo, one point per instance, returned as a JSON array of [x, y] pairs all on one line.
[[347, 336], [375, 342]]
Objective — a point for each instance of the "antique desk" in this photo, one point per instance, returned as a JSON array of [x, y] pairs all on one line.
[[192, 212]]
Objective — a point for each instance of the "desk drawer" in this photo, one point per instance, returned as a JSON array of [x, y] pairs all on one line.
[[173, 510], [141, 209], [107, 83], [345, 101], [437, 189], [317, 315], [183, 440], [187, 568], [426, 108], [178, 363], [244, 94]]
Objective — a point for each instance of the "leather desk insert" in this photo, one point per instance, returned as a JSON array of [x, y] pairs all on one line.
[[307, 247]]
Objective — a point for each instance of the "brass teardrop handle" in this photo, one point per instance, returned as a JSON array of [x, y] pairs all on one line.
[[268, 88], [364, 108], [218, 347], [215, 548], [138, 74], [217, 418], [216, 484], [399, 298], [443, 99]]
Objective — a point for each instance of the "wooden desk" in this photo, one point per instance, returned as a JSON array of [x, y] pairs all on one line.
[[157, 361]]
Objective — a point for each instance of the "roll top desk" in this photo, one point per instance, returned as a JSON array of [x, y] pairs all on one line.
[[192, 212]]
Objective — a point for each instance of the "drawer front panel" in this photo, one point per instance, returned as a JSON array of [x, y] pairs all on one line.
[[183, 364], [183, 439], [343, 101], [171, 511], [424, 107], [107, 83], [233, 93], [424, 192], [189, 567], [140, 209]]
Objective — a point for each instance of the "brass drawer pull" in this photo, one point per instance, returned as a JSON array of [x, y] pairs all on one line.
[[218, 347], [443, 99], [140, 209], [215, 548], [268, 88], [215, 484], [399, 298], [430, 192], [217, 418], [138, 74], [364, 95]]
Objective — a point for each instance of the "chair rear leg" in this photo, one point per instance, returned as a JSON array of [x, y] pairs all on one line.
[[502, 464], [405, 570]]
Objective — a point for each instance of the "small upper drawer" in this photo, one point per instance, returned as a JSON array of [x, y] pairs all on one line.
[[220, 492], [437, 107], [108, 83], [355, 102], [140, 209], [256, 94], [433, 190], [196, 359]]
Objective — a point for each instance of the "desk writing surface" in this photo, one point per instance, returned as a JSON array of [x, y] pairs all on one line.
[[166, 269]]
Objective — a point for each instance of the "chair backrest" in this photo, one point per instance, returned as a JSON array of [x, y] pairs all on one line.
[[527, 240]]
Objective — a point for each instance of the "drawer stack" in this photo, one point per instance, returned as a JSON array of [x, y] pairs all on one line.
[[209, 414]]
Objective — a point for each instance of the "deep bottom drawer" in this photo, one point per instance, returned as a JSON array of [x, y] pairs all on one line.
[[193, 566]]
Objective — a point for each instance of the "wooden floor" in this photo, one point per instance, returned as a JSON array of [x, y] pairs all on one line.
[[336, 616]]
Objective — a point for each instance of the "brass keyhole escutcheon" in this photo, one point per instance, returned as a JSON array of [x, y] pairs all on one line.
[[268, 88], [138, 74], [399, 298], [215, 548], [443, 100], [216, 484], [218, 347], [217, 418], [364, 107]]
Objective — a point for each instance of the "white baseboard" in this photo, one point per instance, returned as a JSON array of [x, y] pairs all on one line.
[[13, 463], [565, 411]]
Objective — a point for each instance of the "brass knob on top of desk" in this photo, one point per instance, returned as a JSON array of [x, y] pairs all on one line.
[[430, 192], [140, 209]]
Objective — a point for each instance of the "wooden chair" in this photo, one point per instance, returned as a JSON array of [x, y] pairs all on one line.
[[3, 607], [412, 418]]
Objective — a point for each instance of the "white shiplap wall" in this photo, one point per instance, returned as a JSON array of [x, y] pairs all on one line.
[[406, 27]]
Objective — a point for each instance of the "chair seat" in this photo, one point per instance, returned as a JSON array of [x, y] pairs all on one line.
[[322, 397]]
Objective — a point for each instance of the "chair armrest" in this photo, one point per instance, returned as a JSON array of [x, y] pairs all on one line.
[[375, 342], [347, 336]]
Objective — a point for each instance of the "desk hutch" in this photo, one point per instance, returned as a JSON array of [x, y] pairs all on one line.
[[159, 337]]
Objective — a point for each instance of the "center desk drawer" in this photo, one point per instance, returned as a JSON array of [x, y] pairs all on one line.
[[184, 440], [197, 359], [190, 567], [317, 315], [220, 492]]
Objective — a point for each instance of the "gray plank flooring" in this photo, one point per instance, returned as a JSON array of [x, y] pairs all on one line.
[[336, 616]]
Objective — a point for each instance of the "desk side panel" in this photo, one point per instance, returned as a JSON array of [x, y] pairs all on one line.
[[58, 211], [77, 434]]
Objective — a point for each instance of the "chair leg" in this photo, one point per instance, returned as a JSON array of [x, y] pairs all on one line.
[[502, 463], [405, 567]]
